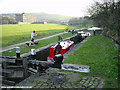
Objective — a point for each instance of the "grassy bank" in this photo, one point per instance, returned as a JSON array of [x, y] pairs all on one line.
[[12, 34], [25, 49], [101, 55]]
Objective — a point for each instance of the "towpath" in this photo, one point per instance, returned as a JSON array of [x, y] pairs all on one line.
[[13, 46]]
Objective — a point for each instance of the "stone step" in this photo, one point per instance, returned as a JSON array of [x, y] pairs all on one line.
[[7, 60], [94, 85], [101, 83], [8, 82], [15, 67], [87, 82], [82, 81], [91, 82], [6, 71]]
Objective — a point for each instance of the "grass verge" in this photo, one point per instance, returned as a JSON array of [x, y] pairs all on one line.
[[101, 55], [24, 49]]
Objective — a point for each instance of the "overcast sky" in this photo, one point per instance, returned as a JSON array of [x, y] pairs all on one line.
[[62, 7]]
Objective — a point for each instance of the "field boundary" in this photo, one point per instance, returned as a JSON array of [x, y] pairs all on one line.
[[14, 45]]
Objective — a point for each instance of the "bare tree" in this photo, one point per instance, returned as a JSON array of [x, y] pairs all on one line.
[[106, 14]]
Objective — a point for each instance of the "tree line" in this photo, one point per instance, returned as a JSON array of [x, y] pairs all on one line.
[[7, 20], [81, 22], [106, 14]]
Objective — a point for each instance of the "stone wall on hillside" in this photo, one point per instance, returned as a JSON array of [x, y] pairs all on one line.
[[115, 35]]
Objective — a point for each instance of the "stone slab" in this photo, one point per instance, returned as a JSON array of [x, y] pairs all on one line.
[[78, 68]]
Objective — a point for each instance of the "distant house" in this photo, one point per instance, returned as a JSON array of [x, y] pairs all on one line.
[[25, 19], [44, 22]]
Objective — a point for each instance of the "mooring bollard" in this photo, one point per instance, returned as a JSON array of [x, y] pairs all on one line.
[[18, 52], [58, 61], [94, 32], [33, 54]]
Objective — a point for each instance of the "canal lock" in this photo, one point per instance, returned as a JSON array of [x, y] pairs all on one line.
[[41, 56]]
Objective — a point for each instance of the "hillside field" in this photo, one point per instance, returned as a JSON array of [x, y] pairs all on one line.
[[12, 34]]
